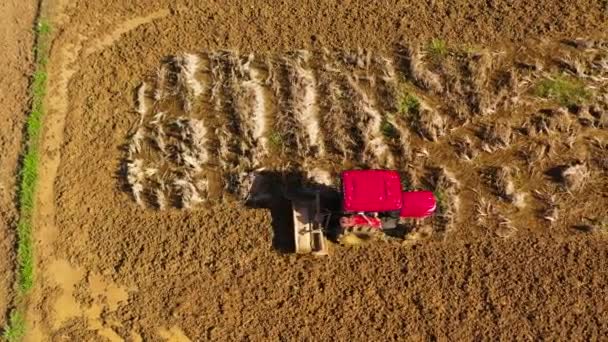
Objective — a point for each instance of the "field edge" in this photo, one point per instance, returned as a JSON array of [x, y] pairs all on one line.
[[28, 175]]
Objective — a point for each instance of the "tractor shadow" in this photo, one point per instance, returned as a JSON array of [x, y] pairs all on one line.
[[276, 191], [267, 192]]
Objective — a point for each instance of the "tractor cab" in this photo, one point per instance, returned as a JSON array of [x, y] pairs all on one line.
[[371, 191]]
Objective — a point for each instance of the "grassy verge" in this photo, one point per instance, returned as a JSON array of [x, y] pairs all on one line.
[[16, 327], [27, 187]]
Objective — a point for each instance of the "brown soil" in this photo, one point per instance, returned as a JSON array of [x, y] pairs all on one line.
[[16, 41], [107, 267]]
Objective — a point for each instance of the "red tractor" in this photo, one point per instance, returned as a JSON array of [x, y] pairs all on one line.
[[368, 202]]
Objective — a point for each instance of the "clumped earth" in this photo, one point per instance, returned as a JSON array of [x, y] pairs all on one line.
[[157, 110]]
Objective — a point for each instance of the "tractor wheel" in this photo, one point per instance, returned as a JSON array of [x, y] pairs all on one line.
[[357, 235]]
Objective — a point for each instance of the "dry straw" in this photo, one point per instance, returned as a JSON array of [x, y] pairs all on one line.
[[226, 113]]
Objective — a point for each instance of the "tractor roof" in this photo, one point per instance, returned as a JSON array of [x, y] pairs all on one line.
[[371, 190]]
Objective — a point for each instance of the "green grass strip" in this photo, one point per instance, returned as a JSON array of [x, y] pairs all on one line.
[[16, 327], [27, 187]]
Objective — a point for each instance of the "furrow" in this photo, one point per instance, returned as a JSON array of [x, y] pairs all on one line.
[[240, 106], [305, 106], [285, 137], [354, 123], [233, 129], [252, 102], [376, 152], [335, 122], [387, 97], [411, 60], [227, 128]]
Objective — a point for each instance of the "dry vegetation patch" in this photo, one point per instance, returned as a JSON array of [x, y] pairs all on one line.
[[207, 120]]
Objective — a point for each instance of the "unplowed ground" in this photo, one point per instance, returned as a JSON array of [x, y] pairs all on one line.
[[108, 268]]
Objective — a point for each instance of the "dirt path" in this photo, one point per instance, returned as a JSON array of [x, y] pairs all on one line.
[[16, 42], [55, 272]]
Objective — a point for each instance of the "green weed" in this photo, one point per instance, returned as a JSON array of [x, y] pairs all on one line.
[[15, 329], [275, 140], [441, 201], [29, 168], [408, 104], [437, 48], [471, 49], [603, 225], [388, 130], [406, 185], [565, 90]]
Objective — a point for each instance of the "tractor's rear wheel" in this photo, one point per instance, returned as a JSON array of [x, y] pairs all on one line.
[[358, 235]]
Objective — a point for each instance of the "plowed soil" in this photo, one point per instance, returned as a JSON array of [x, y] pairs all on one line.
[[109, 269]]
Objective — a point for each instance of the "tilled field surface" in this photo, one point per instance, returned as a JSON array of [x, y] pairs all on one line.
[[156, 110]]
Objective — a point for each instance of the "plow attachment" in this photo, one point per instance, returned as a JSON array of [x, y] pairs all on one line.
[[308, 223]]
